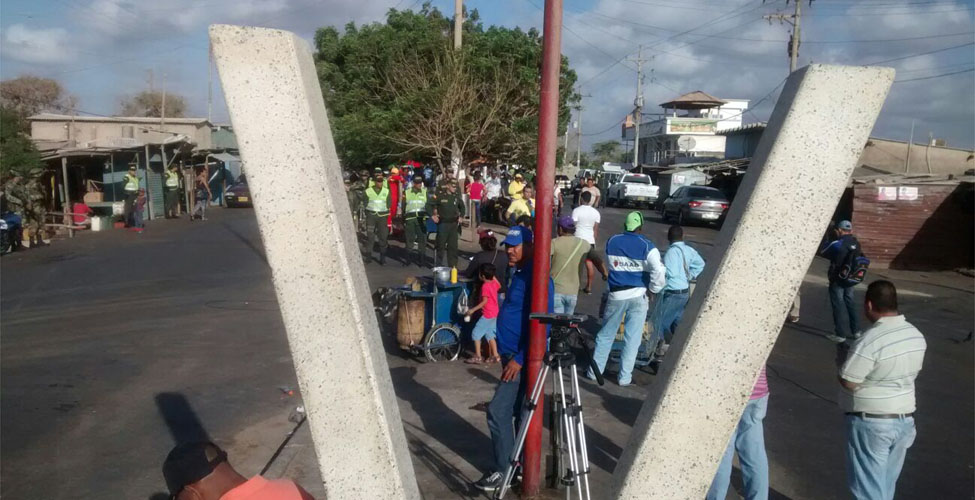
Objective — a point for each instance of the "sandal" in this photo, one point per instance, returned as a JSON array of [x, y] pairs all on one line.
[[494, 359], [473, 360]]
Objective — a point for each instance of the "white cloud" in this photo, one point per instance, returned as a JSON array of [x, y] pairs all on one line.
[[35, 46]]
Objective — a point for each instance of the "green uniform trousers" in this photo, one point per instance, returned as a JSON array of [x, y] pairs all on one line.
[[416, 236], [376, 228], [171, 197], [447, 239]]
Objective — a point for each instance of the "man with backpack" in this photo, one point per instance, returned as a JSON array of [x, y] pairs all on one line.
[[847, 268]]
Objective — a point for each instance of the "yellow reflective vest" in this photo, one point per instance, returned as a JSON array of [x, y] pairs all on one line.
[[172, 179], [416, 202], [378, 202], [131, 183]]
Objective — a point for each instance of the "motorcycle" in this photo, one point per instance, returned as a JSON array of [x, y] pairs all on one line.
[[11, 226]]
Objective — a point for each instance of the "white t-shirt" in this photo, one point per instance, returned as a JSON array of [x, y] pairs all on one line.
[[493, 188], [586, 218]]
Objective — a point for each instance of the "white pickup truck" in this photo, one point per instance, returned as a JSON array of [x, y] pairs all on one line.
[[633, 190]]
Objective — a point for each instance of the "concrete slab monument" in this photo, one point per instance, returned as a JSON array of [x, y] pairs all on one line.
[[797, 175], [276, 107]]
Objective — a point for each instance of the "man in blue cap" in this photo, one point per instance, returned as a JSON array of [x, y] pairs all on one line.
[[505, 407], [841, 292], [634, 268]]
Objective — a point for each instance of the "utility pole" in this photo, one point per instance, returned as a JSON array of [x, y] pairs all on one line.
[[210, 82], [910, 142], [162, 111], [638, 107], [579, 136], [455, 160], [795, 19]]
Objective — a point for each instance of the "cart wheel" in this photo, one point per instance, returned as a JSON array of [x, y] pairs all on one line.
[[442, 343]]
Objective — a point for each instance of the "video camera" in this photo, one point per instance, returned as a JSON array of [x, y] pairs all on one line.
[[565, 337]]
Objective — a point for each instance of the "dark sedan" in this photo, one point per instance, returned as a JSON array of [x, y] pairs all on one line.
[[696, 203], [239, 196]]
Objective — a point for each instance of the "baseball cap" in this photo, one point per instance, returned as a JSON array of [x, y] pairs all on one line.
[[517, 235], [633, 221], [417, 179], [188, 463], [566, 222], [377, 171], [844, 225]]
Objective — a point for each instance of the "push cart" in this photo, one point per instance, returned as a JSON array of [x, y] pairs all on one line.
[[429, 320]]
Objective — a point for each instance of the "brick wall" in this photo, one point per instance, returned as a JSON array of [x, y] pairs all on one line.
[[935, 231]]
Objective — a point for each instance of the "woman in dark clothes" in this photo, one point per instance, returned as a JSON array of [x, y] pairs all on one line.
[[490, 253]]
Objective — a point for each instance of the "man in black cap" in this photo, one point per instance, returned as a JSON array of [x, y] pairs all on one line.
[[377, 211], [200, 471]]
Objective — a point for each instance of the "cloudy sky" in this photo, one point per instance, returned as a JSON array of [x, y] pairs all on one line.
[[103, 50]]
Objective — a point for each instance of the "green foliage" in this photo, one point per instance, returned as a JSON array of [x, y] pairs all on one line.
[[607, 151], [20, 168], [149, 103], [399, 90], [28, 95]]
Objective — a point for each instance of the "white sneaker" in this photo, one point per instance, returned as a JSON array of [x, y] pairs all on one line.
[[836, 338]]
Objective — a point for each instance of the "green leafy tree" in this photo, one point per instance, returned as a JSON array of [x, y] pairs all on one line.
[[20, 171], [398, 90], [28, 95], [607, 151], [149, 103]]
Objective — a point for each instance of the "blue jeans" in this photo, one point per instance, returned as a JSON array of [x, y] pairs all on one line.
[[635, 311], [503, 413], [477, 213], [667, 313], [875, 451], [844, 309], [564, 304], [749, 441]]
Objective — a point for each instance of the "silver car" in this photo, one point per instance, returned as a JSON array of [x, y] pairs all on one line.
[[696, 203]]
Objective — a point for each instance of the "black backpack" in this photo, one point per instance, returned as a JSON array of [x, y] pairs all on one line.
[[853, 269]]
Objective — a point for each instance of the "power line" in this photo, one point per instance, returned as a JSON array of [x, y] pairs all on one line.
[[921, 54], [969, 70]]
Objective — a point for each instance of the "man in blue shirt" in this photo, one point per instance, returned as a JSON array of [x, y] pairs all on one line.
[[683, 265], [505, 407], [634, 267], [841, 294]]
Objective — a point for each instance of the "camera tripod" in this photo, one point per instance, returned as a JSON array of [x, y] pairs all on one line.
[[568, 428]]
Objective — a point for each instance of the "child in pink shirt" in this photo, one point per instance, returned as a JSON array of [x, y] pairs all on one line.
[[487, 324]]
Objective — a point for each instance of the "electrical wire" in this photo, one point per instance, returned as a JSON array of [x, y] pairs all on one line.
[[969, 70], [920, 54]]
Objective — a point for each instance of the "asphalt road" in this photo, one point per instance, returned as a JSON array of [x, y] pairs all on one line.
[[116, 345]]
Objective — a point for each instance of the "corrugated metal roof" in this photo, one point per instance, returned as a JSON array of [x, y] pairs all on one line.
[[118, 119]]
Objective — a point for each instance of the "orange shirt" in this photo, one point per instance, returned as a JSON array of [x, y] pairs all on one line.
[[258, 488]]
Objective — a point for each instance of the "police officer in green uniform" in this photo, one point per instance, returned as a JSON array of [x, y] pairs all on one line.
[[377, 212], [358, 192], [131, 193], [171, 194], [448, 207], [415, 216]]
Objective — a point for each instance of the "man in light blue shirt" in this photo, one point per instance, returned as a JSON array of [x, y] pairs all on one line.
[[683, 265]]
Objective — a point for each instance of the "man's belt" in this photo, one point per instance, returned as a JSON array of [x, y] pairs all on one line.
[[413, 215], [449, 221], [621, 288], [677, 292], [863, 414], [383, 214]]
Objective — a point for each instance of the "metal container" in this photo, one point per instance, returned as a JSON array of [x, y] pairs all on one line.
[[442, 275]]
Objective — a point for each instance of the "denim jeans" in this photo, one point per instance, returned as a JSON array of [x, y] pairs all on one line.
[[635, 311], [749, 441], [875, 451], [844, 309], [564, 303], [477, 213], [667, 313], [503, 415]]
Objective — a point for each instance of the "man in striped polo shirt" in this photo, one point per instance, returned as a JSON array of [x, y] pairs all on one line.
[[877, 394]]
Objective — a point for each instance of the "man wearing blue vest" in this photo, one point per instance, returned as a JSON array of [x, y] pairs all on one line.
[[634, 267]]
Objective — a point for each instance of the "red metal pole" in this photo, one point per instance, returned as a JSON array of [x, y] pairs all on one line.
[[548, 118]]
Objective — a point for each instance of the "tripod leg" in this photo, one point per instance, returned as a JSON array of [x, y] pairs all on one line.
[[581, 430], [570, 435], [509, 473]]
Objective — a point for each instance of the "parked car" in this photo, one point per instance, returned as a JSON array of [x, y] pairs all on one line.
[[238, 195], [696, 203], [632, 190]]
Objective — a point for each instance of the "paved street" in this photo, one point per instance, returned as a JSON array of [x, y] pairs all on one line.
[[115, 345]]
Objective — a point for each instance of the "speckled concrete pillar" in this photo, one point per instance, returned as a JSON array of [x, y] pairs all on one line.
[[276, 107], [797, 175]]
